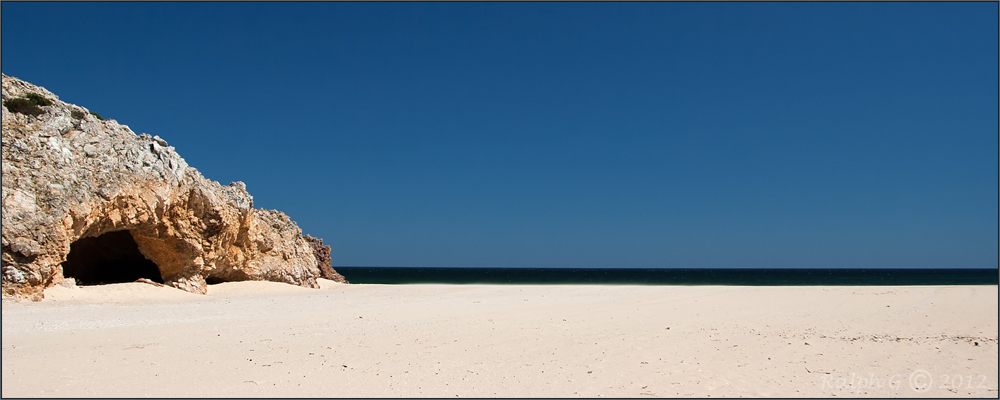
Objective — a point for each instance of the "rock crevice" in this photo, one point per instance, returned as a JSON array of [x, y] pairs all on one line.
[[68, 175]]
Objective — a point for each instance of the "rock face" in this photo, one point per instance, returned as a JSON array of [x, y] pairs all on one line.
[[68, 175], [323, 260]]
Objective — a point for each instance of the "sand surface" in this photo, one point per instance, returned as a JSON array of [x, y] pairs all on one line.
[[268, 339]]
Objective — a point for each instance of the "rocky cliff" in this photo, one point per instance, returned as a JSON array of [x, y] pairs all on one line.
[[72, 183]]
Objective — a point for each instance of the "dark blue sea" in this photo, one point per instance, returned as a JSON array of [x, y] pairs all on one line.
[[670, 276]]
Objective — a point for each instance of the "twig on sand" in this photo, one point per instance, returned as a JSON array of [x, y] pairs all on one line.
[[144, 280]]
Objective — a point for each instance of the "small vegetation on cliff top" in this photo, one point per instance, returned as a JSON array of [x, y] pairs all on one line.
[[23, 106], [38, 99], [30, 104], [97, 115]]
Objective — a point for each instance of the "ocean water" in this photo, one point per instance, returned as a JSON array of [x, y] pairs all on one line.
[[670, 276]]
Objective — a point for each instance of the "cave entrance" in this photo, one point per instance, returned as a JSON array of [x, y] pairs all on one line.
[[113, 257]]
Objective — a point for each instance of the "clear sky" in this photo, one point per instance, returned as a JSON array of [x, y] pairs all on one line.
[[563, 135]]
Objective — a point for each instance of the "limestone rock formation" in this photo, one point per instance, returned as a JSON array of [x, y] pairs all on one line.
[[68, 175], [323, 260]]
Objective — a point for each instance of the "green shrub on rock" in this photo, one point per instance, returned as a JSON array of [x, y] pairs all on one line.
[[38, 99], [23, 106], [28, 105]]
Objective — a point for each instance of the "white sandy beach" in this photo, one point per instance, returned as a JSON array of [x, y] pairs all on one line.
[[269, 339]]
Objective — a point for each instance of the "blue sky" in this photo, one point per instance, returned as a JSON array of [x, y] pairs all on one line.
[[563, 134]]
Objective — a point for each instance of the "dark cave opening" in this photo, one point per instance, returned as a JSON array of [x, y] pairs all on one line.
[[211, 280], [113, 257]]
